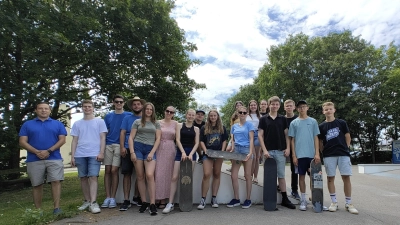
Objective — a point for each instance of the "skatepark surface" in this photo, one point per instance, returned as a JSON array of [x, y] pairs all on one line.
[[376, 196]]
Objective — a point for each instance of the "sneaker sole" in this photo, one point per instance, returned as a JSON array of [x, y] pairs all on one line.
[[231, 206], [215, 206], [246, 207], [112, 206], [200, 208], [105, 206]]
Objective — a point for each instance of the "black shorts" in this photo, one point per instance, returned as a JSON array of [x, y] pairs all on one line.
[[126, 164]]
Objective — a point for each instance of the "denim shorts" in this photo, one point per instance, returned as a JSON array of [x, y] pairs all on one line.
[[280, 159], [256, 141], [242, 149], [87, 166], [303, 165], [178, 155], [142, 151], [342, 162]]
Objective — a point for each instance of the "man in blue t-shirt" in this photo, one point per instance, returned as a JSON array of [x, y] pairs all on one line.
[[112, 157], [136, 105], [42, 137]]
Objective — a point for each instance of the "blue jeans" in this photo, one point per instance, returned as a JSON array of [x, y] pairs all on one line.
[[280, 161], [87, 166]]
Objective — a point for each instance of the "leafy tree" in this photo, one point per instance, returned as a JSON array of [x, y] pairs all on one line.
[[65, 51]]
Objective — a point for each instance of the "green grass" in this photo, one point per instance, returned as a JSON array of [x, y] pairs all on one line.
[[17, 206]]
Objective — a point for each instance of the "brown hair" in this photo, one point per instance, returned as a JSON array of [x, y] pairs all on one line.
[[152, 117], [257, 111], [118, 96], [87, 101], [274, 99], [208, 128]]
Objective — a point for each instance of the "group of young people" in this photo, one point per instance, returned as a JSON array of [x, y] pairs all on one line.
[[154, 148]]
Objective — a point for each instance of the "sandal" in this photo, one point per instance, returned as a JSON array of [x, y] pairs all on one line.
[[255, 180]]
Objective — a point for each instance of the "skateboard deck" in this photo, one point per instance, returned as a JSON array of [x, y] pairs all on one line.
[[317, 196], [270, 179], [226, 155], [186, 186]]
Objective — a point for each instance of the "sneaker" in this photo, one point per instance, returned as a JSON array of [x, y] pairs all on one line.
[[202, 204], [303, 205], [144, 207], [125, 206], [351, 209], [153, 210], [288, 204], [168, 208], [94, 208], [137, 201], [57, 211], [106, 203], [84, 206], [295, 195], [333, 207], [233, 203], [214, 203], [112, 204], [246, 204], [200, 160]]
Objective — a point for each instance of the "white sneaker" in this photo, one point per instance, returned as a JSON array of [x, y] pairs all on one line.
[[333, 207], [351, 209], [303, 205], [202, 204], [94, 208], [214, 203], [106, 203], [168, 208], [84, 206]]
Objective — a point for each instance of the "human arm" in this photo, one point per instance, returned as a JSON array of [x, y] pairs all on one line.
[[130, 143], [155, 146], [178, 141], [23, 142], [251, 150], [122, 148], [100, 156], [348, 139], [294, 157], [196, 142], [286, 152], [74, 144], [262, 144], [316, 146]]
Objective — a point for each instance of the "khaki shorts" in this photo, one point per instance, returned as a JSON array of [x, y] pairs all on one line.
[[54, 169], [112, 155]]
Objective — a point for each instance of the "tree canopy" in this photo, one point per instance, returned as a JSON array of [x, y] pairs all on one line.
[[65, 51]]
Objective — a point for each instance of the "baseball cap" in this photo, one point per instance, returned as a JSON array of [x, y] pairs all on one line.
[[199, 110], [301, 102]]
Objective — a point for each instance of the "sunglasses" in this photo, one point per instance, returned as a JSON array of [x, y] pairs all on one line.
[[119, 102], [244, 113], [170, 112]]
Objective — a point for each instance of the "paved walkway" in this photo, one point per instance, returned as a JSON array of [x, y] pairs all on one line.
[[376, 196]]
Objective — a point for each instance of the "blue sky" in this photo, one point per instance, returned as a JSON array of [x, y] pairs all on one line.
[[232, 36]]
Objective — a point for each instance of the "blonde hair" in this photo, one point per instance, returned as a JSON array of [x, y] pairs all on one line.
[[208, 128], [289, 101], [328, 104]]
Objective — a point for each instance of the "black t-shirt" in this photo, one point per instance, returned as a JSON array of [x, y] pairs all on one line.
[[333, 136], [263, 113], [199, 125], [289, 120], [213, 141], [274, 132]]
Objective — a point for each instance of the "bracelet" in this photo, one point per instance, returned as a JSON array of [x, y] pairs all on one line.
[[49, 151]]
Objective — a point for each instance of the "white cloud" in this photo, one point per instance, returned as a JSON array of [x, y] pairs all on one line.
[[236, 34]]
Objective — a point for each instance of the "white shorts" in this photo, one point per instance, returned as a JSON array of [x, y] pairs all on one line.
[[342, 162], [112, 155]]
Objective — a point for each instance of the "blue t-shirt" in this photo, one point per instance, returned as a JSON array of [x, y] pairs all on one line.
[[113, 122], [241, 133], [42, 135], [126, 124], [304, 131]]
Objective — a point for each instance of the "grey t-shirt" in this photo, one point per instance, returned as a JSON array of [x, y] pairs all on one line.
[[146, 134]]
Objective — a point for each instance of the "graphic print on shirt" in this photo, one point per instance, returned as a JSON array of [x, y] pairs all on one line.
[[213, 140], [332, 133]]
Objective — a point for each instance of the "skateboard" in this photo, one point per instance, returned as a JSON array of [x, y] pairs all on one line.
[[317, 196], [270, 178], [186, 186], [226, 155]]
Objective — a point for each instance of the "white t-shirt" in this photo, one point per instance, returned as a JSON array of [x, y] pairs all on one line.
[[254, 120], [88, 133]]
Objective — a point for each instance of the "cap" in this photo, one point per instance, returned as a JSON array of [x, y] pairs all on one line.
[[200, 110], [301, 102], [136, 98]]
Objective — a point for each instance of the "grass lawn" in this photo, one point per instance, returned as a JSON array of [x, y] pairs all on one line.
[[17, 206]]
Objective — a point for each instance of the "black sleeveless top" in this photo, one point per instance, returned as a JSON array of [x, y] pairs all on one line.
[[187, 136]]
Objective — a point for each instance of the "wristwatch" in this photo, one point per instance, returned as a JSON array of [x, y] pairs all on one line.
[[49, 151]]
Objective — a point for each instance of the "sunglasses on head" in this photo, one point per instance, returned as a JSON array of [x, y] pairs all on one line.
[[170, 112], [242, 112], [119, 102]]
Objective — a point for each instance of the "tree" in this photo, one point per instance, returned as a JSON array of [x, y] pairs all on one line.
[[66, 51]]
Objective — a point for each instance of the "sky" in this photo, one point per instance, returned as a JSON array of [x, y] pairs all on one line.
[[233, 36]]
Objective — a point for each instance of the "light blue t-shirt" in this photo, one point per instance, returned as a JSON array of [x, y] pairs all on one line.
[[304, 131], [113, 122], [88, 133], [241, 133]]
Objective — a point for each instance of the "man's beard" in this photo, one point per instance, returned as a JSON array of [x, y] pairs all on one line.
[[137, 111]]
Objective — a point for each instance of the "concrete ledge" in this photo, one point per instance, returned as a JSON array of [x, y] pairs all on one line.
[[377, 168]]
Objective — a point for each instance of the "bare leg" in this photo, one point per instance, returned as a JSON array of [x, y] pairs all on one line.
[[140, 179], [127, 185], [93, 182], [37, 196], [216, 176], [302, 183], [149, 170], [174, 181], [107, 180], [207, 170], [331, 185], [234, 177], [115, 180], [256, 163], [56, 193], [347, 185], [282, 184], [247, 175]]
